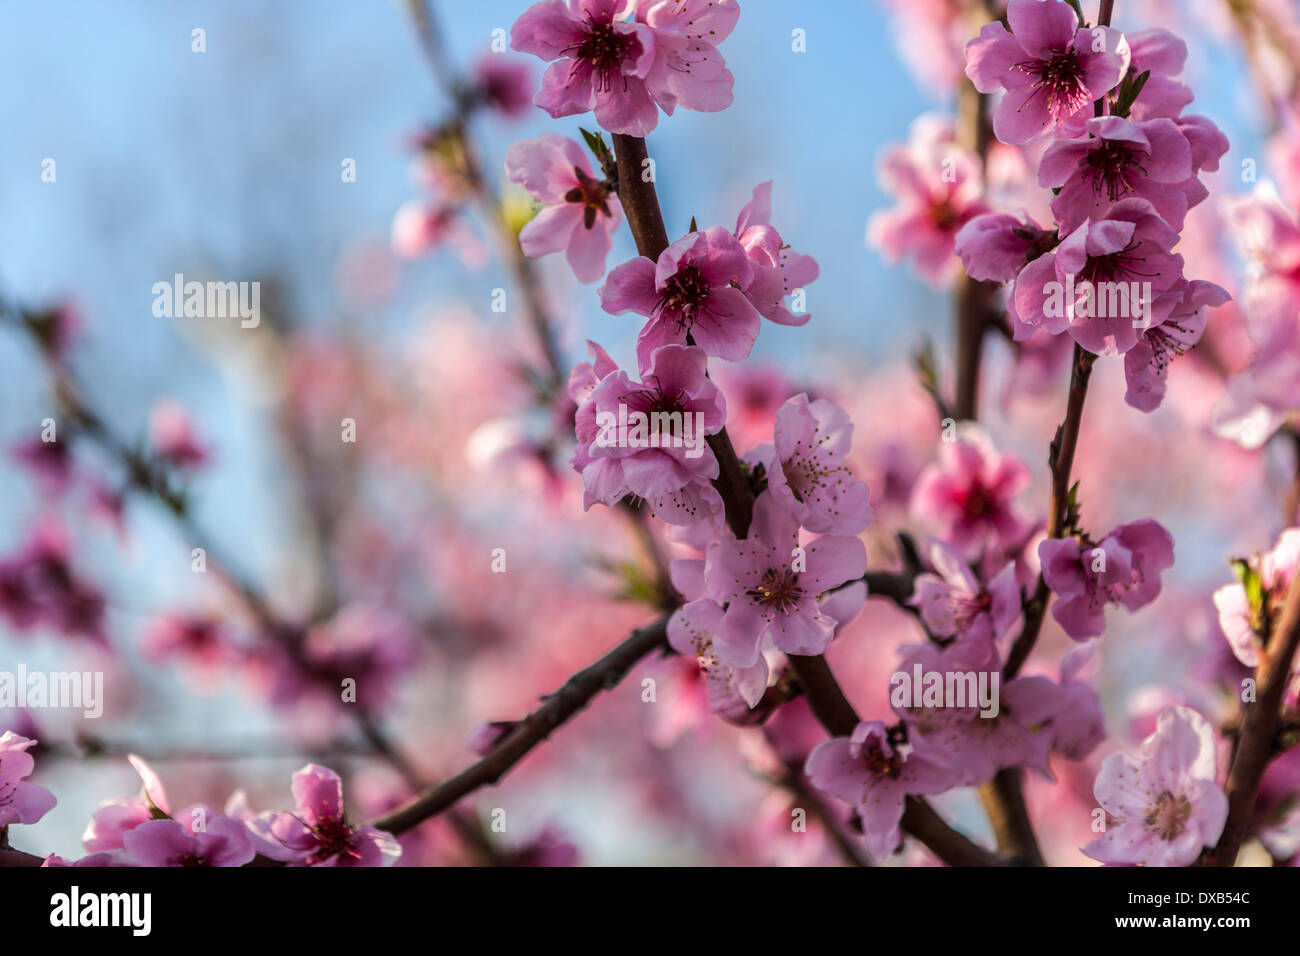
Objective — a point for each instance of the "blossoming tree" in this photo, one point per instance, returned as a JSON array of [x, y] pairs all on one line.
[[864, 593]]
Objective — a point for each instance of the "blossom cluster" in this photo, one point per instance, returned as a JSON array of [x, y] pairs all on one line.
[[143, 831], [1070, 228], [1123, 163]]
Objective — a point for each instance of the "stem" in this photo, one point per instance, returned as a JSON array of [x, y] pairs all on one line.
[[1257, 742], [794, 782], [638, 197], [1292, 505], [837, 715], [645, 219], [1004, 801], [974, 300], [640, 204], [576, 693], [1061, 462], [824, 695]]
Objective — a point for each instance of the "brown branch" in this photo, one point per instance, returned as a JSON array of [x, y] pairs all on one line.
[[1256, 744], [1292, 504], [641, 205], [559, 707], [974, 301], [638, 197], [796, 784], [825, 697], [640, 201], [837, 715], [14, 858], [1004, 801], [1061, 463]]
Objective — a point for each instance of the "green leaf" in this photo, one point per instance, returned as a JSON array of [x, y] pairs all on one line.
[[1251, 581], [596, 143], [694, 227], [1129, 91]]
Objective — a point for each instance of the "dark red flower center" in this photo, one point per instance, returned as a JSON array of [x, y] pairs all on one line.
[[592, 194], [1060, 82], [1109, 168], [878, 762], [684, 295], [334, 837], [602, 48], [1122, 266], [779, 589]]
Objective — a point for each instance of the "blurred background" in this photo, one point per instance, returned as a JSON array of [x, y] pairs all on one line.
[[225, 164]]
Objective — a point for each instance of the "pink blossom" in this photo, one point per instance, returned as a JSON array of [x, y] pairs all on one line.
[[1047, 64], [971, 741], [221, 842], [39, 587], [199, 639], [1124, 568], [692, 630], [688, 70], [1146, 365], [779, 271], [579, 214], [806, 470], [938, 189], [867, 772], [172, 432], [107, 858], [732, 691], [419, 228], [363, 644], [670, 472], [1116, 159], [953, 602], [622, 68], [1256, 402], [115, 818], [969, 495], [694, 294], [995, 247], [931, 35], [1079, 723], [548, 847], [1163, 806], [50, 462], [318, 833], [771, 585], [1240, 621], [20, 801], [1127, 254], [504, 84], [755, 392]]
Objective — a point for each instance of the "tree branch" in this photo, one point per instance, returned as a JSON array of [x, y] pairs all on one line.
[[645, 219], [1256, 744], [559, 707], [1061, 463]]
